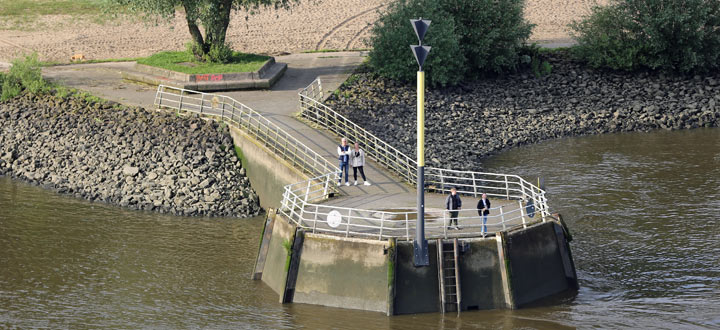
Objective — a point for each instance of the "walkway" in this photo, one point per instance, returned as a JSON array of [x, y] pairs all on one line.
[[278, 104], [382, 209]]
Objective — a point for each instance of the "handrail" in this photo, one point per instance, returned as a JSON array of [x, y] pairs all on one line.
[[301, 200], [438, 180], [249, 121], [299, 207]]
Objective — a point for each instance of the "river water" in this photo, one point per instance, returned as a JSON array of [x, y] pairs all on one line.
[[644, 209]]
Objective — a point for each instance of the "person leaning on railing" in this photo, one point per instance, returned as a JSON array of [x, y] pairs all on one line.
[[453, 203]]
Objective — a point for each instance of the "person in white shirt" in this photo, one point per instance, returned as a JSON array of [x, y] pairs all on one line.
[[357, 159], [343, 151]]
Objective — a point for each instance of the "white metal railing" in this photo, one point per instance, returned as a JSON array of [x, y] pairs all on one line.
[[377, 149], [249, 121], [298, 198], [300, 205], [439, 180]]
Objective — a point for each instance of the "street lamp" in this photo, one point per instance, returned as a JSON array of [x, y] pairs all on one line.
[[420, 245]]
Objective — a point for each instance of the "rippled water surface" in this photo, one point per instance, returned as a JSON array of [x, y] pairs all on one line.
[[644, 210]]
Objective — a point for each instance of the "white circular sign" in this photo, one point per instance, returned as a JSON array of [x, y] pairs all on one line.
[[334, 219]]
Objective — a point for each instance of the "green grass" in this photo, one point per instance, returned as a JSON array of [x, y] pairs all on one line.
[[49, 7], [241, 62]]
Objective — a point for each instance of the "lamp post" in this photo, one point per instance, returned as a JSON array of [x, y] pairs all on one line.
[[420, 244]]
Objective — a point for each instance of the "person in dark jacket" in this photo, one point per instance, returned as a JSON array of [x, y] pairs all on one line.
[[453, 203], [483, 207]]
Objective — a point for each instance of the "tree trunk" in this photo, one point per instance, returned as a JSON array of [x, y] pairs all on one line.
[[191, 17], [216, 27]]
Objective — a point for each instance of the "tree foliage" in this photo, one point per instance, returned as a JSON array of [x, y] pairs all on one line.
[[468, 37], [670, 35], [212, 15]]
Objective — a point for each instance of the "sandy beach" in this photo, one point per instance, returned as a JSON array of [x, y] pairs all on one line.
[[323, 24]]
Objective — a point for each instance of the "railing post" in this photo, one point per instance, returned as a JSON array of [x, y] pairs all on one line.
[[222, 113], [442, 181], [284, 200], [160, 95], [307, 191], [445, 223], [301, 215], [407, 227], [347, 230], [202, 102], [315, 219], [182, 92], [325, 187], [474, 185], [507, 189], [382, 223], [522, 214], [502, 216], [544, 207]]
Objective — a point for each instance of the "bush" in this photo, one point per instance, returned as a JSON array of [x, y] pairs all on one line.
[[215, 54], [491, 33], [392, 36], [219, 54], [25, 74], [468, 37], [669, 35]]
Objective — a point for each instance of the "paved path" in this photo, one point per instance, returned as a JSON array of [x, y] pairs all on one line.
[[278, 104]]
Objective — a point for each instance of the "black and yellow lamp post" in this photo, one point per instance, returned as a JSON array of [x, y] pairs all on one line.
[[420, 245]]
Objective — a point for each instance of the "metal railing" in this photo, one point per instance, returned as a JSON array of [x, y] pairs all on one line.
[[299, 205], [380, 151], [437, 180], [268, 134]]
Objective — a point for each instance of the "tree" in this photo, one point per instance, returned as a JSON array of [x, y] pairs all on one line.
[[670, 35], [468, 38], [212, 15]]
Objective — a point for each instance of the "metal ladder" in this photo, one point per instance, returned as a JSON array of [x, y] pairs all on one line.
[[449, 275]]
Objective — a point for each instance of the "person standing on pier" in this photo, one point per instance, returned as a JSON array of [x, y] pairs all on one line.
[[357, 159], [344, 153], [483, 207], [453, 203]]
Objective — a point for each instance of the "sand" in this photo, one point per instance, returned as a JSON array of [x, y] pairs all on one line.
[[320, 24]]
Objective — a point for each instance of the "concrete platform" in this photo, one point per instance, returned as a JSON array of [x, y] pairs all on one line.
[[264, 78]]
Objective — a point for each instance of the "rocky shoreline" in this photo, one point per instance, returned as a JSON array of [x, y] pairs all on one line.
[[131, 157], [467, 123]]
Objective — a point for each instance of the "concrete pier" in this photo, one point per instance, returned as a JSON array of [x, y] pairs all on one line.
[[509, 270]]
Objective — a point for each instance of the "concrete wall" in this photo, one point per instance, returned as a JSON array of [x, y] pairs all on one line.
[[343, 272], [481, 283], [509, 271], [268, 175], [416, 288], [274, 273], [535, 264]]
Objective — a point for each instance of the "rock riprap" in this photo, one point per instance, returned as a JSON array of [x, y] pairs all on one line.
[[131, 157], [464, 124]]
